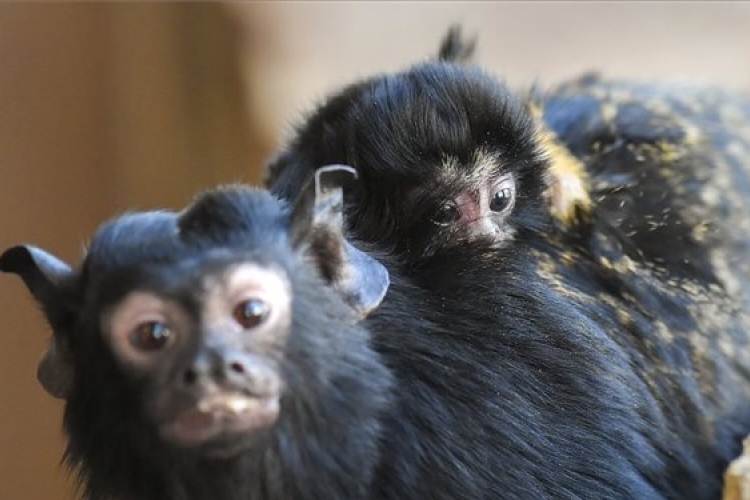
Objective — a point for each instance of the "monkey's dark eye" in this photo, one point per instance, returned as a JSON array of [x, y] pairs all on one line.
[[503, 199], [151, 336], [250, 313], [446, 215]]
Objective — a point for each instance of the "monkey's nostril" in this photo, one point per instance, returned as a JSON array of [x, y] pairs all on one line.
[[190, 377], [237, 367]]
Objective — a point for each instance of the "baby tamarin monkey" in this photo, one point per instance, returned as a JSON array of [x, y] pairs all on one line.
[[448, 156], [445, 152]]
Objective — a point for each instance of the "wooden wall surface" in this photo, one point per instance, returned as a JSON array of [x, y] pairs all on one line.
[[103, 108]]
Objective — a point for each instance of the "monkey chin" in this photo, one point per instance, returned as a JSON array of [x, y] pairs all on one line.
[[221, 425]]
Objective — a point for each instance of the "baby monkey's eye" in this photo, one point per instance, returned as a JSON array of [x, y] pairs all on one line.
[[504, 196], [250, 313], [151, 336], [446, 215]]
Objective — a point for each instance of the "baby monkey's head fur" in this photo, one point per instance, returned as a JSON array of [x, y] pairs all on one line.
[[445, 153]]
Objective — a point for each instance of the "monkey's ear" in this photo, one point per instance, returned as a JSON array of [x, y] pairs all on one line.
[[43, 273], [56, 370], [454, 48], [317, 226], [566, 176], [567, 182]]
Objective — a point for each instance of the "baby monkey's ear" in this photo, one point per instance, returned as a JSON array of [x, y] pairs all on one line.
[[43, 274], [567, 181], [455, 48], [317, 228]]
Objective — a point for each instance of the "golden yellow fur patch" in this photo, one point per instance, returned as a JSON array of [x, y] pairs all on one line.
[[567, 182]]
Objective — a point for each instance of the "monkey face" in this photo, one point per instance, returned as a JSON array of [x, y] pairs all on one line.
[[212, 375], [190, 330], [480, 208], [446, 154], [473, 201], [221, 332]]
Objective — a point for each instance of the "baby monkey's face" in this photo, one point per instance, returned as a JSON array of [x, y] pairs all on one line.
[[462, 200], [472, 200], [458, 168]]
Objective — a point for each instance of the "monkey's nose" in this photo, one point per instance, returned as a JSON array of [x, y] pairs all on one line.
[[227, 367], [239, 368]]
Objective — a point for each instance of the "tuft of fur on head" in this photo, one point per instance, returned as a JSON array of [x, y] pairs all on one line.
[[455, 48]]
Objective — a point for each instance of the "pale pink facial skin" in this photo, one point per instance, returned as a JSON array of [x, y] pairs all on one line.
[[140, 308], [220, 409], [474, 208], [476, 216]]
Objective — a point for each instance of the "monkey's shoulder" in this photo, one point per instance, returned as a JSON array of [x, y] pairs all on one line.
[[669, 166], [652, 138], [678, 324]]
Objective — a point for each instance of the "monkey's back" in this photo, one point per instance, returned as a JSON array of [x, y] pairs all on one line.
[[669, 170], [669, 166], [651, 287]]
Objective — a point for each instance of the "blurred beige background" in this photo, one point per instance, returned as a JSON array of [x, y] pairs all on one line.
[[108, 107]]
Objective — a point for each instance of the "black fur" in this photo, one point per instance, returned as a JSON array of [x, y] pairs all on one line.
[[455, 48], [395, 130], [502, 382], [566, 364], [649, 284], [326, 442], [666, 164]]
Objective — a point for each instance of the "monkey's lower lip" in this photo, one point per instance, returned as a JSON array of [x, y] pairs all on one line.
[[219, 416]]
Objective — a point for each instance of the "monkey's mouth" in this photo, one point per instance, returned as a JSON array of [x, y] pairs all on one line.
[[223, 417]]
